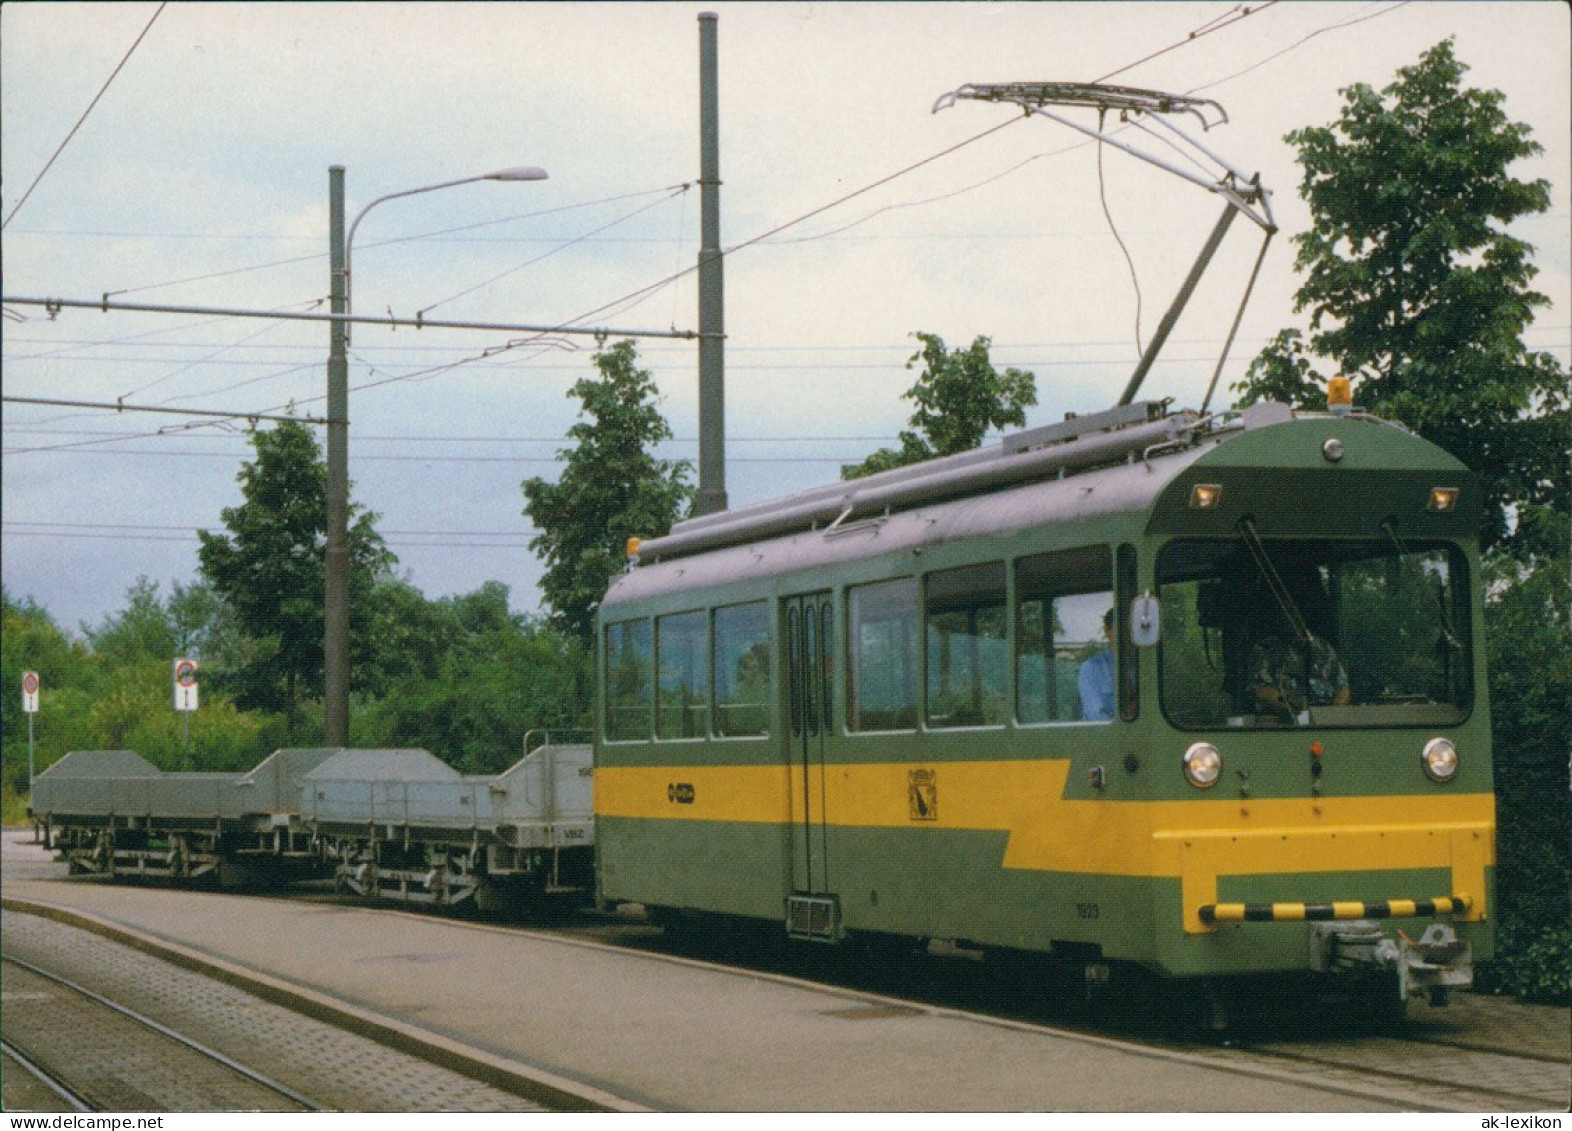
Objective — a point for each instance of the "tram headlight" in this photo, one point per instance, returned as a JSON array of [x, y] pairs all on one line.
[[1206, 496], [1439, 760], [1202, 765]]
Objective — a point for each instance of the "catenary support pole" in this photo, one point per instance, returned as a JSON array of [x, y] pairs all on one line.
[[712, 330], [335, 635]]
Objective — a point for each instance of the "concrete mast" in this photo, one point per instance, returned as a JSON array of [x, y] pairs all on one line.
[[712, 323]]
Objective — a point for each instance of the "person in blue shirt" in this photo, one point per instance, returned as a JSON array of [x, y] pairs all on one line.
[[1096, 679]]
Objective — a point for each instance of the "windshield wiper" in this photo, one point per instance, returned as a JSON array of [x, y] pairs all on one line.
[[1274, 581], [1390, 527]]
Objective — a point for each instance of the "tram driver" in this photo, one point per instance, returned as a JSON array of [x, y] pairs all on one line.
[[1291, 668]]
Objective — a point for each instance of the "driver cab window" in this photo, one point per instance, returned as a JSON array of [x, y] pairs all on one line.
[[1295, 632]]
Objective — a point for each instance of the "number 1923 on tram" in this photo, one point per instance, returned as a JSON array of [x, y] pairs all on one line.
[[1140, 691]]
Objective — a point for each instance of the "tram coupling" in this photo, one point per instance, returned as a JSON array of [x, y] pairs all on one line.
[[1431, 966]]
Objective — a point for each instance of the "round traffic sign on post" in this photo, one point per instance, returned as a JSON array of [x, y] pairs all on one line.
[[30, 692], [185, 685]]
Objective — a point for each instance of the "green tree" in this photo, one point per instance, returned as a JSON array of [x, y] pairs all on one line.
[[494, 677], [31, 641], [1416, 289], [203, 624], [409, 635], [133, 711], [612, 488], [959, 397], [1531, 726], [270, 569], [140, 631]]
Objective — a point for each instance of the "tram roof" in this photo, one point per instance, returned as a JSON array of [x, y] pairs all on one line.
[[816, 528]]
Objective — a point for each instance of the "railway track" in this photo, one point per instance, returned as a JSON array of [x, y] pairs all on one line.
[[99, 1055], [1479, 1054], [27, 1087], [96, 1025], [1446, 1076]]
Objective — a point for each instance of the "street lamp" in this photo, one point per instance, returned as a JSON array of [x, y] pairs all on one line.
[[518, 173], [335, 659]]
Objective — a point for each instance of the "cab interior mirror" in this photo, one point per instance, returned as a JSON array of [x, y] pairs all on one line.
[[1145, 621]]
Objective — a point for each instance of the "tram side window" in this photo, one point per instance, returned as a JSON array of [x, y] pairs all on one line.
[[1064, 666], [883, 646], [968, 648], [629, 670], [742, 670], [682, 648]]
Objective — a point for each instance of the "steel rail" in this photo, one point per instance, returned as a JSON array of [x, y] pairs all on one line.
[[163, 1030], [1429, 1082], [48, 1079]]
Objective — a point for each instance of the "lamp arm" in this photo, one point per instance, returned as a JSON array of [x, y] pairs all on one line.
[[349, 240], [521, 173]]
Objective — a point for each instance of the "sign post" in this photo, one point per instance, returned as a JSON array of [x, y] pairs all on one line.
[[30, 705], [185, 698]]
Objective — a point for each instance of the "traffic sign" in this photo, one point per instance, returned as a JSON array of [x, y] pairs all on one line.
[[30, 692], [185, 685]]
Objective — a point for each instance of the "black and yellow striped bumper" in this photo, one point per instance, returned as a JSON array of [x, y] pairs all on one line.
[[1211, 913]]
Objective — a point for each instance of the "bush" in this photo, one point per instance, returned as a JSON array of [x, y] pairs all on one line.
[[1531, 716], [1532, 964]]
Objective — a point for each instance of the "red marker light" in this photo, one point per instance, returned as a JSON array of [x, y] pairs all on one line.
[[1316, 750]]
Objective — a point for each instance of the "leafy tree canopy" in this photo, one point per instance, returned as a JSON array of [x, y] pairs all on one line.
[[270, 567], [611, 489], [959, 397], [140, 631], [477, 680], [31, 641], [1416, 289]]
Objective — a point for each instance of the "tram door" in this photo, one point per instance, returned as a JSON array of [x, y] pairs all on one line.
[[810, 652]]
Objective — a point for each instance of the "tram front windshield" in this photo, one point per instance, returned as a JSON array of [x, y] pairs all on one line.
[[1283, 633]]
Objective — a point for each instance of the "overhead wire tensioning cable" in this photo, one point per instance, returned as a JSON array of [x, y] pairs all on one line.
[[644, 292], [431, 235], [1205, 29], [581, 238], [1216, 24], [1102, 196], [101, 92]]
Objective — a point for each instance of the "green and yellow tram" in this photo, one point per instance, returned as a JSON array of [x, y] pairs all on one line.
[[891, 706]]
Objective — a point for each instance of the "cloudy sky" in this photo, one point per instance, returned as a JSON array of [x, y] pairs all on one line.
[[200, 177]]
